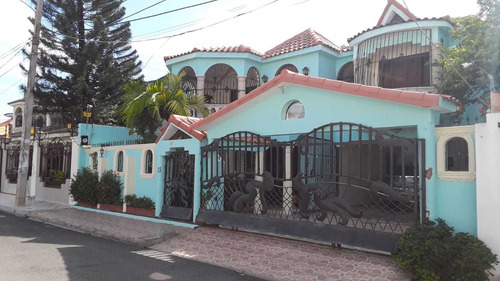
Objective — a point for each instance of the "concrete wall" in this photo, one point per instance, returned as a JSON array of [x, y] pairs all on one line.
[[488, 183]]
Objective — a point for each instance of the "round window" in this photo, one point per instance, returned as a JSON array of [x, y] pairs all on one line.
[[295, 111]]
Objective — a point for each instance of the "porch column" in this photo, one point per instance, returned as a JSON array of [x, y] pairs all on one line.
[[200, 85], [259, 169], [34, 169], [241, 86], [287, 184]]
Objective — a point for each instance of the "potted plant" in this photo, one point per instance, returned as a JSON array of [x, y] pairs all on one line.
[[142, 206], [84, 188], [110, 187]]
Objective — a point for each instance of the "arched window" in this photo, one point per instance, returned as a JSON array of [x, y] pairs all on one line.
[[288, 66], [295, 111], [457, 155], [19, 117], [253, 80], [148, 167], [119, 162], [346, 73], [189, 80]]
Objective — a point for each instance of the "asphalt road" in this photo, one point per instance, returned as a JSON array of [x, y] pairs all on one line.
[[31, 250]]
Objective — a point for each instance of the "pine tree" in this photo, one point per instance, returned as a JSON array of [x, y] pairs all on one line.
[[85, 58]]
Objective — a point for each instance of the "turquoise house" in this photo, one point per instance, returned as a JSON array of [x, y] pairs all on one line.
[[309, 139]]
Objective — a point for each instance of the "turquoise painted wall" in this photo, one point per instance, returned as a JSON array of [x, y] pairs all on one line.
[[456, 203], [203, 61]]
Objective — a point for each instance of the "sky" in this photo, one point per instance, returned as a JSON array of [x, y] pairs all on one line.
[[260, 24]]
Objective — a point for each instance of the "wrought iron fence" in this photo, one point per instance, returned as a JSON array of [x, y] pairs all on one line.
[[178, 185], [119, 143], [339, 174], [55, 162], [12, 162]]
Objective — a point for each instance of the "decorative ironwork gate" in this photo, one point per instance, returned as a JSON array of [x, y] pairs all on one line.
[[55, 162], [12, 162], [341, 183], [178, 186]]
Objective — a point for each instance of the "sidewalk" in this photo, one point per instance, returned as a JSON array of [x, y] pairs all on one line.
[[254, 254]]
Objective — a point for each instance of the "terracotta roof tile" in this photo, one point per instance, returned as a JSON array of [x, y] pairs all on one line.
[[230, 49], [5, 123], [413, 98], [307, 38], [185, 123], [403, 9]]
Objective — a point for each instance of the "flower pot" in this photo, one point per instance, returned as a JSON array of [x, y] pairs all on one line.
[[87, 205], [140, 211], [113, 208]]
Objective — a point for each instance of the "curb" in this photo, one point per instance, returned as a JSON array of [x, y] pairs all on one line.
[[98, 232], [14, 211]]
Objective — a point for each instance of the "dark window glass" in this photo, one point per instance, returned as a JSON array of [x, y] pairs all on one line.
[[149, 162], [457, 155], [120, 162]]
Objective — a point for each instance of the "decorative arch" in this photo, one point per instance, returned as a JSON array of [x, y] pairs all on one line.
[[346, 72], [293, 110], [287, 66], [221, 84], [252, 80], [189, 80]]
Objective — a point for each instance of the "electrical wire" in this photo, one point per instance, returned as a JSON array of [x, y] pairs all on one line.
[[15, 54], [27, 5], [14, 49], [15, 83], [10, 69], [144, 9]]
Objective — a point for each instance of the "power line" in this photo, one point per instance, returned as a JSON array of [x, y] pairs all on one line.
[[15, 54], [14, 49], [167, 12], [174, 35], [15, 83], [142, 10], [10, 69]]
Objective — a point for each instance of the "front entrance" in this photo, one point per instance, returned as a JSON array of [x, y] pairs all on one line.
[[178, 186], [341, 183]]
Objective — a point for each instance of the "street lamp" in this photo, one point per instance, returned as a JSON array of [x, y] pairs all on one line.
[[494, 96], [101, 152]]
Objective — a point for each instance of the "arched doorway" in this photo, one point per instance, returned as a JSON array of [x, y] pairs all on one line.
[[221, 84], [288, 66], [189, 80], [253, 80]]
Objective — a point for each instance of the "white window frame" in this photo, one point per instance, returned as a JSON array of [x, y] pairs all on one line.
[[444, 135], [286, 107]]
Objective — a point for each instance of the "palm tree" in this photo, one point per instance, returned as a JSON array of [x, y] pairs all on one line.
[[146, 106]]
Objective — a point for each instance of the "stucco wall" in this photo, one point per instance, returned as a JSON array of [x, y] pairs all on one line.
[[488, 183]]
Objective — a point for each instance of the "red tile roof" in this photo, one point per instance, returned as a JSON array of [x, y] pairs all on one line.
[[185, 123], [413, 98], [5, 123], [233, 49], [305, 39], [409, 14]]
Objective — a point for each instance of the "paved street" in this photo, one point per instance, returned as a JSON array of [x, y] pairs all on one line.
[[31, 250]]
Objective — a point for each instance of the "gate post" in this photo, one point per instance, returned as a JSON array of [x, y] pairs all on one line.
[[197, 184], [427, 132], [34, 169]]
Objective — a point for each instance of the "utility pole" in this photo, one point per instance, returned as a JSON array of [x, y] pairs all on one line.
[[22, 173]]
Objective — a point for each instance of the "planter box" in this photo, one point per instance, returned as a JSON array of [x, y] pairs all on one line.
[[113, 208], [87, 205], [141, 212]]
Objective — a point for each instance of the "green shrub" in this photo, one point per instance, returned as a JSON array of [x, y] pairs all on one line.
[[433, 252], [143, 202], [85, 186], [58, 176], [110, 188]]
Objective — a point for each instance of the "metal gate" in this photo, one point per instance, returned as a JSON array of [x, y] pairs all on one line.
[[342, 183], [178, 186]]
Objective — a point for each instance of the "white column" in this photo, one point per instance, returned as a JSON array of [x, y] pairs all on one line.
[[287, 184], [200, 85], [48, 121], [34, 169], [241, 86]]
